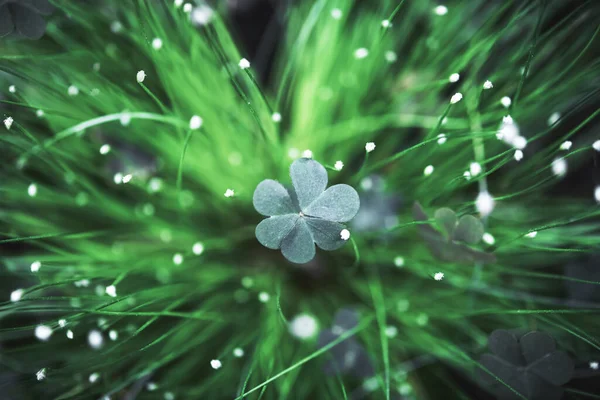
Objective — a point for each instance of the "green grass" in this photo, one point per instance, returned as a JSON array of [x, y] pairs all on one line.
[[173, 319]]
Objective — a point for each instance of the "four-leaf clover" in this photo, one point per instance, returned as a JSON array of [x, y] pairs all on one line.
[[529, 364], [24, 17], [449, 246], [305, 214]]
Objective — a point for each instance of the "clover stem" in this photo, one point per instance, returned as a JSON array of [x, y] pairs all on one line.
[[362, 167], [479, 153]]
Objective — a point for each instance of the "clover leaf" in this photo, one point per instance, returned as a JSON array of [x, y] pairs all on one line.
[[348, 356], [450, 245], [23, 18], [304, 215], [529, 364]]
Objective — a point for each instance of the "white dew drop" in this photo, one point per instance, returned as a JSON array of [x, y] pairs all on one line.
[[488, 238], [229, 193], [104, 149], [467, 175], [441, 138], [596, 145], [177, 258], [111, 290], [202, 15], [385, 24], [247, 282], [518, 155], [94, 377], [151, 386], [597, 194], [16, 295], [293, 153], [12, 89], [532, 234], [594, 365], [303, 326], [276, 117], [43, 332], [198, 248], [141, 75], [553, 118], [506, 101], [438, 276], [73, 90], [82, 283], [454, 77], [391, 56], [195, 122], [456, 97], [559, 167], [8, 121], [307, 153], [178, 3], [428, 170], [35, 266], [366, 183], [215, 364], [41, 374], [238, 352], [100, 290], [187, 8], [520, 142], [116, 27], [235, 158], [336, 13], [70, 334], [125, 118], [157, 43], [422, 319], [440, 10], [487, 85], [338, 165], [263, 297], [361, 53], [155, 185], [127, 178], [62, 323], [391, 331], [169, 396], [32, 190], [95, 339], [369, 147], [566, 145], [399, 261], [475, 168], [484, 203], [244, 64], [113, 335], [345, 234], [39, 113]]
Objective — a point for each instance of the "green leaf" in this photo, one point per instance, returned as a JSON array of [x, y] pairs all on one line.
[[339, 203], [326, 233], [535, 345], [446, 220], [299, 245], [309, 179], [271, 198], [271, 231], [469, 230]]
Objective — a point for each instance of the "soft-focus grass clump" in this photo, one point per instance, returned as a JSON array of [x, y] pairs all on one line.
[[118, 192]]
